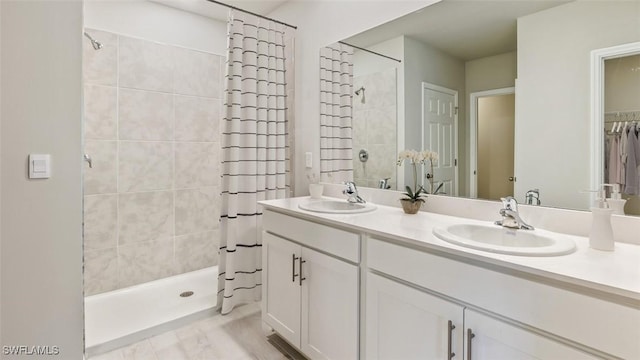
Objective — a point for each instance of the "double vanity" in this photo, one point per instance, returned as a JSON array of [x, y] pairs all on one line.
[[363, 281]]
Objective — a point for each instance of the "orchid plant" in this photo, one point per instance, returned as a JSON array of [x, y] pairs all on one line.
[[415, 158]]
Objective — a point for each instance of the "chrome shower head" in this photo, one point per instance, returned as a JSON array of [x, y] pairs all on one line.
[[96, 45]]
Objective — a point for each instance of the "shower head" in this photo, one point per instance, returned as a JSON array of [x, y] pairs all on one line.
[[96, 45]]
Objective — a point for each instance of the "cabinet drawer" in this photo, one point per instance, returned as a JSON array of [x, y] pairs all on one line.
[[337, 242], [590, 321]]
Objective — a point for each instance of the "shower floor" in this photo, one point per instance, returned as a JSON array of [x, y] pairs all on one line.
[[122, 317]]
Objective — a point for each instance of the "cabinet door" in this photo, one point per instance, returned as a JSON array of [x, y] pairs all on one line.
[[493, 339], [405, 323], [329, 307], [281, 287]]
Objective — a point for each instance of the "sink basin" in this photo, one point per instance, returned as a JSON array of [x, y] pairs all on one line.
[[336, 207], [497, 239]]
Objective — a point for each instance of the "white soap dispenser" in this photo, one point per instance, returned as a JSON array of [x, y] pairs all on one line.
[[601, 235], [616, 202]]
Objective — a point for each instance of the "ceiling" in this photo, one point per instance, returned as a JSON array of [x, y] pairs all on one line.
[[466, 29], [219, 12]]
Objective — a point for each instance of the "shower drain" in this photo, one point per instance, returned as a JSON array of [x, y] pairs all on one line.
[[186, 294]]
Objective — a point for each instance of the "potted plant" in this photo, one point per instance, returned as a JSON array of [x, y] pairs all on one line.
[[415, 196]]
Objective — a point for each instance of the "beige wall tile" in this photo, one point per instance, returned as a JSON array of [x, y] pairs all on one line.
[[197, 165], [145, 261], [145, 115], [197, 73], [100, 66], [381, 125], [100, 112], [197, 210], [101, 178], [100, 221], [145, 216], [197, 119], [145, 166], [145, 65], [100, 271], [196, 251]]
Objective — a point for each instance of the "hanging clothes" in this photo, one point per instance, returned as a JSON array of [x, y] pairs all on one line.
[[632, 178]]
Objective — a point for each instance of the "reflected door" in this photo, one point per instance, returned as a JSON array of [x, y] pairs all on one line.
[[496, 119], [440, 123]]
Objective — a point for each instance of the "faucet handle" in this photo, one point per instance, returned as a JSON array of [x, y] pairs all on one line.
[[509, 203]]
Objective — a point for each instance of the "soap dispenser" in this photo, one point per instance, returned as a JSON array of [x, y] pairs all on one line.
[[616, 202], [601, 235]]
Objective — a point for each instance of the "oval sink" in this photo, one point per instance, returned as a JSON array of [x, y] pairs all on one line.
[[501, 240], [336, 207]]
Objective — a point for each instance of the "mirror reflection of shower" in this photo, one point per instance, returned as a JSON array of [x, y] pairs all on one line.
[[96, 45], [360, 91]]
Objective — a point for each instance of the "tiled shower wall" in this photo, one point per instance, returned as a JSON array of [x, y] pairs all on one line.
[[151, 128], [374, 128]]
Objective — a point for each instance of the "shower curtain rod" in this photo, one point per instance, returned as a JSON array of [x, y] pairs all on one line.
[[367, 50], [252, 13]]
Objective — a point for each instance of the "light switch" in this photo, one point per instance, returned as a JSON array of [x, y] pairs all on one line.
[[39, 166], [308, 160]]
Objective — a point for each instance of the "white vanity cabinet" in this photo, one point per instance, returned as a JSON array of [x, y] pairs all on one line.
[[488, 338], [310, 295], [405, 323], [506, 317]]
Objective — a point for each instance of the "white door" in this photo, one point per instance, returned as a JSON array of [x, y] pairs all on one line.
[[329, 307], [493, 339], [405, 323], [281, 286], [440, 134]]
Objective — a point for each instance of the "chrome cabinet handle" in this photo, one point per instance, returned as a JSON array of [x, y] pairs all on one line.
[[293, 267], [450, 354], [470, 336], [301, 262], [87, 158]]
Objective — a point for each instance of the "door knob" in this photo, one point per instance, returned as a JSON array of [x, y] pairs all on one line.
[[512, 178], [429, 176]]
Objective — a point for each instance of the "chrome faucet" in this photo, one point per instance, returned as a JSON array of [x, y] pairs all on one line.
[[352, 191], [510, 216], [532, 197]]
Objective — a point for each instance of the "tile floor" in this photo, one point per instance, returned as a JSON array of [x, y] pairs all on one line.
[[236, 336]]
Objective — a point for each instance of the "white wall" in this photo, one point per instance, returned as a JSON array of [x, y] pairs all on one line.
[[321, 23], [553, 96], [159, 23], [41, 231]]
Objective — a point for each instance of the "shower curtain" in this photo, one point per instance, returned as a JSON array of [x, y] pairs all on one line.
[[336, 113], [254, 147]]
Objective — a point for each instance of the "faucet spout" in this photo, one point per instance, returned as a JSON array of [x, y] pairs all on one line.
[[510, 216], [352, 191]]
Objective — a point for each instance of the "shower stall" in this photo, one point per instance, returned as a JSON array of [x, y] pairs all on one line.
[[152, 110]]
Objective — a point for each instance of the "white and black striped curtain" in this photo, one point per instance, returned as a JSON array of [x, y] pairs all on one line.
[[254, 150], [336, 113]]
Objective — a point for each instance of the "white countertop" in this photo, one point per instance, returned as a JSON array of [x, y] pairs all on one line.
[[615, 273]]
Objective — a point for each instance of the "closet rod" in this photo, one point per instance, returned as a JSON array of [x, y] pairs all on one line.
[[367, 50], [252, 13]]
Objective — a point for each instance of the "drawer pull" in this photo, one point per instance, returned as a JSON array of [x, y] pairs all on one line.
[[301, 262], [470, 336], [450, 354], [293, 267]]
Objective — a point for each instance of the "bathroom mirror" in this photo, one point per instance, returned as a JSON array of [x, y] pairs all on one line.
[[515, 78]]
